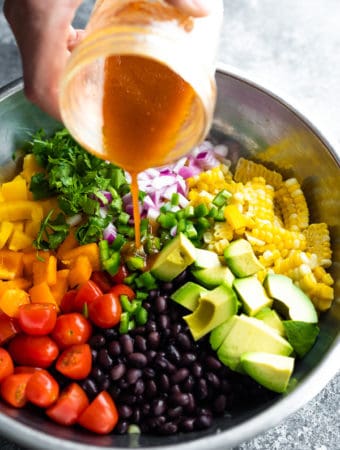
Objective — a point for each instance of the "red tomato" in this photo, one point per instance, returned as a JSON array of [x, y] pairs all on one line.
[[36, 351], [67, 302], [42, 389], [6, 364], [120, 276], [70, 404], [123, 289], [8, 327], [102, 280], [13, 389], [26, 369], [70, 329], [105, 310], [75, 362], [86, 294], [37, 319], [101, 416]]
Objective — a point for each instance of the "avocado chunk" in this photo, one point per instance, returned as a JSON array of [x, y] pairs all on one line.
[[214, 307], [219, 333], [175, 257], [250, 335], [252, 293], [214, 276], [271, 318], [290, 300], [241, 259], [206, 259], [271, 371], [301, 335], [188, 295]]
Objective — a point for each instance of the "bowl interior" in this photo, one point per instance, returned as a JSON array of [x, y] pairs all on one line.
[[254, 123]]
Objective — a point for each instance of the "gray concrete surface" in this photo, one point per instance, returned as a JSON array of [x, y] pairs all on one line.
[[292, 46]]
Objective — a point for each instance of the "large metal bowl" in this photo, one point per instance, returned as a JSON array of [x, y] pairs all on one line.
[[257, 123]]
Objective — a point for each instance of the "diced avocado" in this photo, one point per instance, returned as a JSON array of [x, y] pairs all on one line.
[[271, 318], [175, 257], [250, 335], [214, 307], [214, 276], [269, 370], [252, 293], [188, 294], [289, 299], [301, 335], [219, 333], [206, 259], [241, 259]]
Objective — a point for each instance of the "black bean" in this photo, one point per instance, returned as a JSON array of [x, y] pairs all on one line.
[[175, 329], [138, 331], [188, 424], [140, 343], [197, 370], [181, 278], [213, 363], [179, 376], [125, 411], [97, 374], [188, 358], [156, 422], [136, 415], [167, 287], [164, 321], [149, 372], [132, 375], [150, 355], [202, 389], [151, 326], [204, 421], [164, 383], [90, 387], [154, 340], [184, 341], [188, 384], [180, 399], [139, 387], [117, 371], [152, 294], [126, 342], [213, 380], [114, 348], [146, 409], [104, 384], [158, 406], [219, 404], [114, 391], [225, 386], [128, 399], [97, 341], [150, 388], [173, 354], [137, 360], [191, 406], [110, 334], [104, 359], [122, 427], [175, 388], [161, 304], [174, 412], [168, 428]]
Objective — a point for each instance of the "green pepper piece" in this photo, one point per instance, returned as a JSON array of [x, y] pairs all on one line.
[[222, 198], [135, 262], [111, 265], [141, 316], [201, 210], [124, 322], [104, 251]]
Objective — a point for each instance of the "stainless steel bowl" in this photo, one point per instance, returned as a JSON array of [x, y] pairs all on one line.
[[256, 123]]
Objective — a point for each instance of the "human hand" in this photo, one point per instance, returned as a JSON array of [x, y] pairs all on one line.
[[45, 39]]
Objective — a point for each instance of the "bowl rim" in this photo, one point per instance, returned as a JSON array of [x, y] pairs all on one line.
[[312, 384]]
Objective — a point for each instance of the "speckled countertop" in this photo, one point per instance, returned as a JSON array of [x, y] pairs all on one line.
[[290, 46]]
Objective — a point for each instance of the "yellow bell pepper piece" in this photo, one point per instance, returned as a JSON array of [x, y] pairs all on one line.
[[14, 190], [19, 241], [6, 229], [21, 210], [234, 217], [12, 299], [30, 167]]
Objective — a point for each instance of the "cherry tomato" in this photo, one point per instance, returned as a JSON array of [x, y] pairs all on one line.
[[36, 351], [42, 389], [75, 362], [37, 319], [86, 294], [70, 329], [101, 416], [26, 369], [105, 311], [120, 276], [67, 302], [102, 280], [69, 406], [6, 364], [123, 289], [13, 389], [8, 327]]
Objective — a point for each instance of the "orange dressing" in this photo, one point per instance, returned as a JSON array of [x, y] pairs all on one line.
[[144, 106]]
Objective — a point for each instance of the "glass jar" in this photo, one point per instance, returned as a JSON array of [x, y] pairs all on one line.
[[140, 90]]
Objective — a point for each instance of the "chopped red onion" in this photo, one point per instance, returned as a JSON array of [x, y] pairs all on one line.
[[74, 220], [110, 233]]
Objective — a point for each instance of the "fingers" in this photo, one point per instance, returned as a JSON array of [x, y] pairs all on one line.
[[75, 36], [197, 8]]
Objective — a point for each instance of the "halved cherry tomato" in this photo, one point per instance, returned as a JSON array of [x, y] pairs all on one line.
[[86, 294], [37, 319], [70, 329], [101, 416], [123, 289], [69, 406], [13, 389], [6, 364], [42, 389], [8, 327], [120, 276], [36, 351], [105, 311], [102, 280], [67, 302], [75, 362]]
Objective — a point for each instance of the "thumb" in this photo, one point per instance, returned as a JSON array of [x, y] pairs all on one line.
[[196, 8]]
